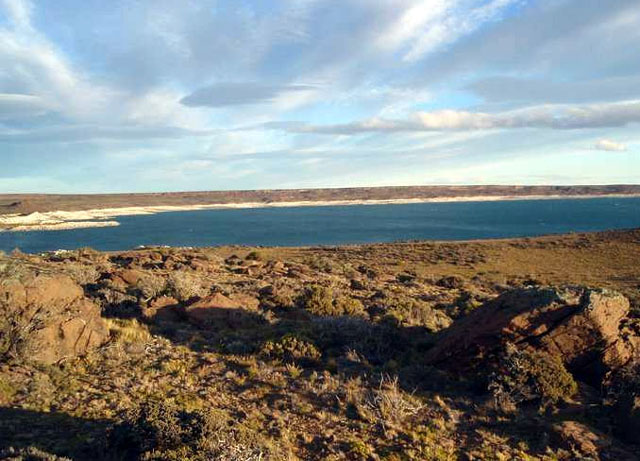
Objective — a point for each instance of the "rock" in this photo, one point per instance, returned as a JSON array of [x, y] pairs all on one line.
[[276, 266], [220, 310], [67, 325], [130, 276], [580, 325], [245, 300], [451, 282], [209, 308], [356, 284], [405, 277], [581, 439], [164, 308]]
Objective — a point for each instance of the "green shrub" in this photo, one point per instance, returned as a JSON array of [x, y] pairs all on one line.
[[414, 313], [290, 349], [321, 300], [29, 454], [321, 264], [165, 431], [254, 256], [526, 376]]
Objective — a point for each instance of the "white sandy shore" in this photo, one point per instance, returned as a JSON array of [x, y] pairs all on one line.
[[60, 220]]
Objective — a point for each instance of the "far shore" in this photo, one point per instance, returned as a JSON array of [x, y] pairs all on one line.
[[103, 217]]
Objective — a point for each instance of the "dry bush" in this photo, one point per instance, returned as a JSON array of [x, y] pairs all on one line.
[[17, 331], [390, 405], [185, 286], [81, 274], [151, 286], [321, 264], [128, 331]]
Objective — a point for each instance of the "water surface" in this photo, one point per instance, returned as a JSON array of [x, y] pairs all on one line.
[[336, 225]]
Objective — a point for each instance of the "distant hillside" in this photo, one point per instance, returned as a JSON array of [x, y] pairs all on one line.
[[29, 203]]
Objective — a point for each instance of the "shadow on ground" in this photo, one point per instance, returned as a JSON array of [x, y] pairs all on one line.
[[55, 433]]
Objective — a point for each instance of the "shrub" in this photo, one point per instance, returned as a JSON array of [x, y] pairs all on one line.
[[320, 300], [18, 340], [81, 274], [290, 349], [184, 286], [623, 392], [165, 431], [389, 405], [151, 286], [411, 312], [254, 256], [29, 454], [321, 264], [526, 376]]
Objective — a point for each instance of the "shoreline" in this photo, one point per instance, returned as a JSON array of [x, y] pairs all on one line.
[[103, 217]]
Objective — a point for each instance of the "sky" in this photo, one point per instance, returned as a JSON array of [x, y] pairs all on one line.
[[165, 95]]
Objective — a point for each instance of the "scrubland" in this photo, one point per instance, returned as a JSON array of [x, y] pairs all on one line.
[[513, 349]]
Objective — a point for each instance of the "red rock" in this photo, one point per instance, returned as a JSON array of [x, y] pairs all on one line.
[[208, 308], [581, 326], [164, 308], [69, 324]]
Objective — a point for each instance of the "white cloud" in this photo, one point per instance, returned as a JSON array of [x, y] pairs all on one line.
[[19, 12], [427, 25], [609, 145], [553, 116], [21, 105]]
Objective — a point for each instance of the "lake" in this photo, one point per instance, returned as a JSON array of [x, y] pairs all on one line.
[[337, 225]]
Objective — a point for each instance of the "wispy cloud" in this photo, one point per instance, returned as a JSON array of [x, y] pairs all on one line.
[[239, 93], [559, 117], [609, 145]]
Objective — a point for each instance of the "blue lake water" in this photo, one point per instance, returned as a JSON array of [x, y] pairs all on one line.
[[334, 225]]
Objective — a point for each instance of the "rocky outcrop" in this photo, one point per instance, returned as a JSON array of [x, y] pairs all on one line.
[[50, 318], [219, 310], [588, 442], [582, 326]]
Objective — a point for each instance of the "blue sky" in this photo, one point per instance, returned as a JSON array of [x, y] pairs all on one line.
[[159, 95]]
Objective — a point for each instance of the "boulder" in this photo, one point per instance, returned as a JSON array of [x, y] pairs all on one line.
[[587, 442], [60, 322], [580, 325], [219, 310], [163, 308], [130, 276], [210, 308]]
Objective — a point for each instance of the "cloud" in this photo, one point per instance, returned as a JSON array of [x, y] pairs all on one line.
[[14, 106], [506, 89], [235, 94], [609, 145], [557, 117], [19, 11], [426, 26], [77, 133]]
